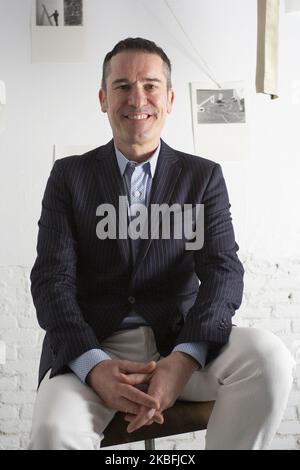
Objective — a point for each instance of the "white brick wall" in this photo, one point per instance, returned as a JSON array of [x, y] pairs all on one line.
[[271, 301]]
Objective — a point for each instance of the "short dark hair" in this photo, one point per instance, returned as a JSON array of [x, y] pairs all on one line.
[[136, 44]]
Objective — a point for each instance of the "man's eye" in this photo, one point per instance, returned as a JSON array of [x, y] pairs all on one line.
[[124, 87], [149, 86]]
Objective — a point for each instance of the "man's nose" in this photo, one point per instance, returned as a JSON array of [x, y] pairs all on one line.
[[137, 97]]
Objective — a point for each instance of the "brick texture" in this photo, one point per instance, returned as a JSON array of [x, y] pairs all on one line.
[[271, 301]]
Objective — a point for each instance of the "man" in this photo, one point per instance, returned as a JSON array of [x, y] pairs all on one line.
[[55, 15], [127, 326]]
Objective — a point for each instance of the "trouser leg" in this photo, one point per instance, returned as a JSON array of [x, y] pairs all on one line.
[[68, 414], [250, 381]]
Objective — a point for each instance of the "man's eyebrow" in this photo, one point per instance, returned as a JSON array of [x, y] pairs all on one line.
[[148, 79], [144, 79]]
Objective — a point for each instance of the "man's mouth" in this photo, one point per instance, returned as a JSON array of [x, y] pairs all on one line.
[[137, 117]]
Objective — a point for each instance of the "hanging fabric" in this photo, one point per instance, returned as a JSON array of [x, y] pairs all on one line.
[[267, 47]]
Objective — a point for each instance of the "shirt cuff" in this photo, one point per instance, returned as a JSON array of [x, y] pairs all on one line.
[[83, 364], [197, 350]]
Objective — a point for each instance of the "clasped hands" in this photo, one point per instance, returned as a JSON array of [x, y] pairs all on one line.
[[116, 381]]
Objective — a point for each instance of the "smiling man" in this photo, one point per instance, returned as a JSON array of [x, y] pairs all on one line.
[[133, 324], [136, 94]]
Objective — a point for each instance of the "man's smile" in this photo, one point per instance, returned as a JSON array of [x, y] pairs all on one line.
[[137, 116]]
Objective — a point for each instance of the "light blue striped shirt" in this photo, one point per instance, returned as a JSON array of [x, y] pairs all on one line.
[[138, 189]]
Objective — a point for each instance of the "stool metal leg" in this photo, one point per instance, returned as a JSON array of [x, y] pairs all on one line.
[[149, 444]]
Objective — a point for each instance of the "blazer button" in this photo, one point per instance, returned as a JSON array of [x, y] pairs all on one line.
[[131, 300]]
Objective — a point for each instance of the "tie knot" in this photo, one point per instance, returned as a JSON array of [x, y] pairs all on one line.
[[130, 167], [146, 167]]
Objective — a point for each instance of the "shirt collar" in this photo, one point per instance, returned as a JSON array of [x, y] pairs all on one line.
[[122, 160]]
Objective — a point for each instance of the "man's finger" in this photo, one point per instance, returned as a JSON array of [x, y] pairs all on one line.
[[139, 397], [136, 379], [141, 419], [127, 406], [157, 418], [137, 367]]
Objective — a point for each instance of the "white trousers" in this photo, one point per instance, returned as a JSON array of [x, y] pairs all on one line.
[[250, 381]]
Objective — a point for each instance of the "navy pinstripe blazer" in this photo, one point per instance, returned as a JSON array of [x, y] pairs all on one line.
[[82, 287]]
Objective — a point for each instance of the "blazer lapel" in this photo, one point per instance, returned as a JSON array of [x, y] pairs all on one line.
[[111, 186]]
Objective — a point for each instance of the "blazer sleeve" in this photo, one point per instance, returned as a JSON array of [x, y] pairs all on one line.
[[219, 270], [53, 276]]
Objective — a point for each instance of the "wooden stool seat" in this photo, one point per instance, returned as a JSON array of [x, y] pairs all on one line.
[[181, 418]]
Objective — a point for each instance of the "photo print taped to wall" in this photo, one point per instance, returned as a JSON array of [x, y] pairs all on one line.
[[219, 121], [58, 31], [59, 13]]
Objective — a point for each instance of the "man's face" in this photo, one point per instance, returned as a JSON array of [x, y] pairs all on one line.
[[136, 98]]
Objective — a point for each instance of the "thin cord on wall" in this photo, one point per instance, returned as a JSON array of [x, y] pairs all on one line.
[[205, 68]]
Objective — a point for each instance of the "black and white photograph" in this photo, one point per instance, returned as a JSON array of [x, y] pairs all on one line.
[[48, 13], [213, 110], [58, 32], [73, 13], [220, 106], [59, 13]]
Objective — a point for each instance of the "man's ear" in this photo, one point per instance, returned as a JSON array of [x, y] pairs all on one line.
[[103, 101], [171, 97]]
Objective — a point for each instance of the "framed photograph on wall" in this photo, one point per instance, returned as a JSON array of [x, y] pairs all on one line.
[[219, 121], [58, 31], [59, 13]]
